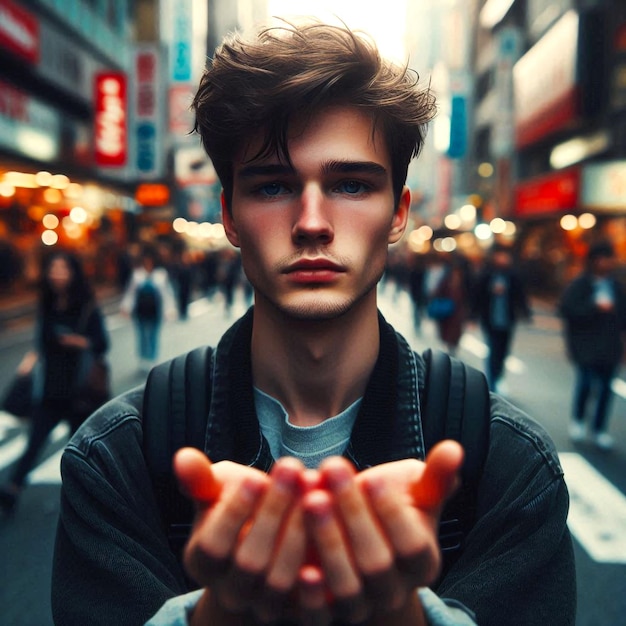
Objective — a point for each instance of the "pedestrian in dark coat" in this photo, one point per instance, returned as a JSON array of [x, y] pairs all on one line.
[[499, 303], [69, 325], [593, 307]]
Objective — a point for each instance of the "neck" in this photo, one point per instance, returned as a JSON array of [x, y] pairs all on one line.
[[316, 369]]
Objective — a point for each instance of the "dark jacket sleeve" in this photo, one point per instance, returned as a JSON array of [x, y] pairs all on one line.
[[112, 562], [518, 565]]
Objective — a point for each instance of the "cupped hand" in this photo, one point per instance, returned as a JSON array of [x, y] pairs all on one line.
[[248, 543], [375, 532]]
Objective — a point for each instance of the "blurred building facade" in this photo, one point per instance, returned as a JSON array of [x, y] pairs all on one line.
[[550, 115], [95, 144], [62, 142]]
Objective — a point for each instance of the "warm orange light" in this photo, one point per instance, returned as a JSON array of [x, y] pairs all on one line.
[[152, 194]]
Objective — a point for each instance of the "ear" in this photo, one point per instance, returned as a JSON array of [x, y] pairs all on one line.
[[400, 217], [228, 222]]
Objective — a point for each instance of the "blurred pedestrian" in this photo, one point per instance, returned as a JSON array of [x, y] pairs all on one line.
[[416, 273], [181, 274], [499, 302], [149, 299], [448, 301], [228, 276], [593, 307], [69, 326]]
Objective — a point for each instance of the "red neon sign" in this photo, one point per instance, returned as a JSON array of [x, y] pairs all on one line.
[[19, 31], [111, 122]]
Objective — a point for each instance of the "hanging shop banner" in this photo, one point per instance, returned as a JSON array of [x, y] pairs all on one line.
[[551, 193], [147, 113], [19, 31], [604, 186], [110, 120], [27, 125], [545, 82]]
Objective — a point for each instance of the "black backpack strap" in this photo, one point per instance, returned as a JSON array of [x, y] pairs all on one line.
[[456, 405], [176, 403]]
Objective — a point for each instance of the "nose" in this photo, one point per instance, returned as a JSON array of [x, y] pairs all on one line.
[[312, 222]]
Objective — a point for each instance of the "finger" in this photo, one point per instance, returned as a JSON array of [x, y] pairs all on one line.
[[441, 476], [341, 578], [255, 550], [290, 554], [281, 580], [312, 597], [370, 550], [195, 476], [211, 547], [411, 532]]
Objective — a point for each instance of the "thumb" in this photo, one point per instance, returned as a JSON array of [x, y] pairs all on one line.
[[195, 476], [440, 478]]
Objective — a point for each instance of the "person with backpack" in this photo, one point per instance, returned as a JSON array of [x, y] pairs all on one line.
[[300, 440], [148, 300]]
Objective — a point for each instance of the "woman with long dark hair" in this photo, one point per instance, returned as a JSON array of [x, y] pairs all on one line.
[[69, 328]]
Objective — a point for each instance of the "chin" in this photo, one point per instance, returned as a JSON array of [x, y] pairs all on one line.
[[318, 308]]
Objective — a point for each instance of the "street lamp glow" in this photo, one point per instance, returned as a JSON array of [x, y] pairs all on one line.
[[448, 244], [49, 237], [483, 232], [497, 225], [467, 213], [179, 225], [509, 229], [569, 222], [452, 221], [587, 220], [50, 221], [425, 232], [78, 215], [485, 170]]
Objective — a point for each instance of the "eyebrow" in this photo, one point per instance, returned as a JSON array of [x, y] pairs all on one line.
[[354, 167], [329, 167]]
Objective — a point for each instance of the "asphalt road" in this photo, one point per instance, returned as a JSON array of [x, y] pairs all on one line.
[[539, 380]]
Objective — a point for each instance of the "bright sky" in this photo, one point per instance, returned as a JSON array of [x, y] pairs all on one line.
[[384, 21]]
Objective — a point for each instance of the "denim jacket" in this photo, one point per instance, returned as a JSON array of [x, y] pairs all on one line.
[[113, 563]]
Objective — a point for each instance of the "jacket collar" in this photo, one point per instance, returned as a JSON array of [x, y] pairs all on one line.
[[388, 426]]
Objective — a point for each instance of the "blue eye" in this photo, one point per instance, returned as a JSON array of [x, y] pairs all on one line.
[[352, 187], [272, 189]]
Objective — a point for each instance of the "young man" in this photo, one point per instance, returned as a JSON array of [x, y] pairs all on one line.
[[316, 506]]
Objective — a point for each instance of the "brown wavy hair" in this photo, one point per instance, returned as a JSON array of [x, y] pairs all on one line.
[[295, 69]]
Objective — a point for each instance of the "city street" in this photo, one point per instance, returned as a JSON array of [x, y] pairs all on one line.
[[539, 380]]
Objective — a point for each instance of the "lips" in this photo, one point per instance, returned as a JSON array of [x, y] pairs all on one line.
[[314, 271], [313, 265]]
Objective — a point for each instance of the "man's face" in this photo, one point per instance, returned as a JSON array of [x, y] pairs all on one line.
[[314, 236]]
